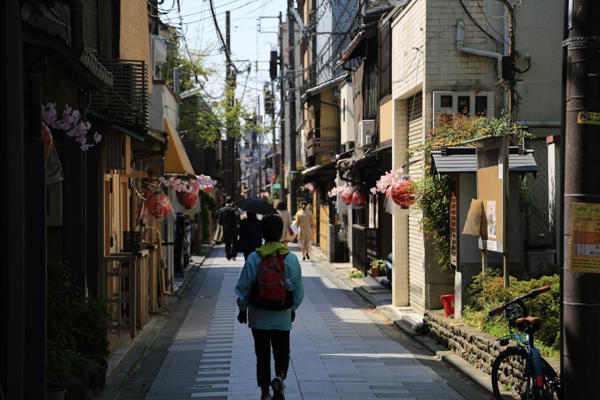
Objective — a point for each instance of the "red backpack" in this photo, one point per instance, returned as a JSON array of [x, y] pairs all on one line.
[[269, 290]]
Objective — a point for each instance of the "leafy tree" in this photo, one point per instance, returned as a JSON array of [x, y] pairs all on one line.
[[203, 117]]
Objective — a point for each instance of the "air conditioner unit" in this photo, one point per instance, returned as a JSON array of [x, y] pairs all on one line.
[[447, 104], [366, 132]]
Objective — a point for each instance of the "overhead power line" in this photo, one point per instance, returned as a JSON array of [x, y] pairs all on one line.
[[227, 53]]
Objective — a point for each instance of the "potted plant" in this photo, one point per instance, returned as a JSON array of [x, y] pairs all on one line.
[[377, 267]]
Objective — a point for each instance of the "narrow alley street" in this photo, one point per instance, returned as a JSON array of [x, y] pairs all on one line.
[[340, 348]]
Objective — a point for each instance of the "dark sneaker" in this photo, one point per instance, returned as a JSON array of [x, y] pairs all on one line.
[[266, 396], [277, 385], [303, 258], [307, 256]]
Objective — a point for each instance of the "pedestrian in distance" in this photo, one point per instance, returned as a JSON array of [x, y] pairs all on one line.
[[250, 236], [305, 222], [269, 291], [286, 217], [229, 218]]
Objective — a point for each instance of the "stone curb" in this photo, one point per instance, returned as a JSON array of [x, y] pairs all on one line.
[[397, 319]]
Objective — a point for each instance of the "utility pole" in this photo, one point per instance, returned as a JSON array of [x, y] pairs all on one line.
[[581, 297], [259, 142], [508, 62], [291, 83], [281, 114], [229, 88], [274, 134]]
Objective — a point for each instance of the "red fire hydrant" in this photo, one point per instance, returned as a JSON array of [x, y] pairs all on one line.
[[447, 301]]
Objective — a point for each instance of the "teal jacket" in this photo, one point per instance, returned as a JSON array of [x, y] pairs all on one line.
[[266, 319]]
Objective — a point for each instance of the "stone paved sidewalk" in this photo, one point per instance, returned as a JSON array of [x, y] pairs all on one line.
[[338, 352]]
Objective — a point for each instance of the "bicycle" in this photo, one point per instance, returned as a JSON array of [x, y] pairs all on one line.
[[521, 368]]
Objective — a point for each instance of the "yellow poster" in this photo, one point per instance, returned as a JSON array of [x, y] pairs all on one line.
[[588, 118], [585, 238]]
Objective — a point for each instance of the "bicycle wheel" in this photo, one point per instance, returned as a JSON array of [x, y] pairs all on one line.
[[551, 383], [512, 375]]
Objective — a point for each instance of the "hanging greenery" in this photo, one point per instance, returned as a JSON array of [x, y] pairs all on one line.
[[433, 191]]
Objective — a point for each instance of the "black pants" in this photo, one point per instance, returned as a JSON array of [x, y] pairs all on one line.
[[230, 239], [263, 341]]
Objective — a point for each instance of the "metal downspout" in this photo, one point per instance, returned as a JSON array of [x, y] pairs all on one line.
[[460, 38]]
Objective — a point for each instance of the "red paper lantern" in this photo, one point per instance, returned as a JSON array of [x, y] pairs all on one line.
[[159, 204], [207, 189], [187, 199], [403, 193], [359, 197], [347, 195], [387, 192]]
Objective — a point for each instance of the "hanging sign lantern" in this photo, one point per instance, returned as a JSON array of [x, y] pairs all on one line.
[[346, 195], [403, 192], [187, 199], [359, 197], [159, 204]]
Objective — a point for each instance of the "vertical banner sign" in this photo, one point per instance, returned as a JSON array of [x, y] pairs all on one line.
[[585, 238]]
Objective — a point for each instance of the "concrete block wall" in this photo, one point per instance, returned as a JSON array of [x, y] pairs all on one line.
[[408, 48], [446, 67], [539, 33]]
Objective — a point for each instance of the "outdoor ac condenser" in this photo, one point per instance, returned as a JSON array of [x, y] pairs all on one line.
[[366, 132], [472, 104]]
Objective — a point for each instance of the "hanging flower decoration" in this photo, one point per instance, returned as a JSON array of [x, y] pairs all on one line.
[[337, 190], [359, 197], [187, 199], [404, 192], [309, 186], [387, 180], [71, 123], [189, 184], [347, 194], [158, 204]]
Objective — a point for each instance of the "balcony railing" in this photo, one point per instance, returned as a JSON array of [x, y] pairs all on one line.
[[315, 146], [127, 99]]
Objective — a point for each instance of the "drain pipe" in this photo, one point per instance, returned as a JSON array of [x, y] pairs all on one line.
[[460, 39]]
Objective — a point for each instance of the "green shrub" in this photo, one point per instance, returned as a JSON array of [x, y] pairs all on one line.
[[486, 293], [379, 263], [357, 274], [77, 344], [208, 203]]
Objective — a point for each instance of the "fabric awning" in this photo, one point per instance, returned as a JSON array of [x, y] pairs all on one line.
[[176, 160]]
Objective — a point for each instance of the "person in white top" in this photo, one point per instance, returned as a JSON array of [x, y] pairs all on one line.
[[286, 217]]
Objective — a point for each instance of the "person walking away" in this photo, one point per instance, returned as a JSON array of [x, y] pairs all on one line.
[[305, 221], [270, 309], [229, 218], [250, 236], [286, 217]]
